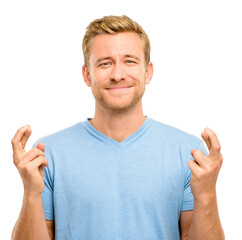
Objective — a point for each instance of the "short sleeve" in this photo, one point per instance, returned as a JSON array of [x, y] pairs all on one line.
[[188, 199], [47, 194]]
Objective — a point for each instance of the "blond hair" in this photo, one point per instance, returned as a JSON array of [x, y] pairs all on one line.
[[112, 25]]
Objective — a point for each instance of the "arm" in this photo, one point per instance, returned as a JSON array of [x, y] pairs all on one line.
[[31, 223], [198, 218], [205, 223], [51, 228], [185, 222]]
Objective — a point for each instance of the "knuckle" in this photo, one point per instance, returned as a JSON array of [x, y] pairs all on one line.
[[199, 175], [37, 159], [195, 153], [13, 141], [214, 167], [210, 169], [207, 167], [16, 159], [27, 169], [37, 152], [21, 166], [219, 165], [190, 164], [217, 147], [198, 153], [46, 162], [41, 159], [221, 159]]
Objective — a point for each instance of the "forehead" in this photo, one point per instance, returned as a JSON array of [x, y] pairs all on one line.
[[116, 44]]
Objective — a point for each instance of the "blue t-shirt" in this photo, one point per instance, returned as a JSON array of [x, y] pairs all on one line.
[[97, 188]]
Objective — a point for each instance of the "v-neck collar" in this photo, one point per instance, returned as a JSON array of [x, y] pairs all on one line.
[[126, 141]]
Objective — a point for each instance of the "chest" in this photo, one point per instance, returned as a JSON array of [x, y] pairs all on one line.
[[102, 178]]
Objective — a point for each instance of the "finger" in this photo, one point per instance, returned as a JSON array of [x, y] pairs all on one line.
[[31, 155], [41, 146], [194, 167], [205, 137], [41, 170], [199, 157], [16, 144], [37, 162], [25, 136], [215, 145], [34, 153]]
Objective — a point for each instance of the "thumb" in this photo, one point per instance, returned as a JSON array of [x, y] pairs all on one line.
[[41, 146]]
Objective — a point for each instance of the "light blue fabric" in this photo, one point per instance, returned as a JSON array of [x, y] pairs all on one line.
[[97, 188]]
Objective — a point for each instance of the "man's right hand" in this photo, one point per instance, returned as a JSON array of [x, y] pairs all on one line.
[[29, 164]]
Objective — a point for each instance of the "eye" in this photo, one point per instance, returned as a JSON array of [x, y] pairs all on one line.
[[130, 61], [104, 64]]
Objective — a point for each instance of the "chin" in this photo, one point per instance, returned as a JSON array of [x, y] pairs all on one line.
[[119, 108]]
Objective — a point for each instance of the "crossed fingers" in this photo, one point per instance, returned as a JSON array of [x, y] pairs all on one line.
[[18, 144], [20, 139], [211, 141], [214, 148], [205, 169]]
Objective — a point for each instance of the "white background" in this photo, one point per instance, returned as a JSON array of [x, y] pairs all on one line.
[[197, 55]]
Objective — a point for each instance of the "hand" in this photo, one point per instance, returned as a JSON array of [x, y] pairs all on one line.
[[205, 169], [29, 164]]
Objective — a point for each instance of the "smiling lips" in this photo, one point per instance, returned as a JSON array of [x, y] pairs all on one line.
[[119, 89]]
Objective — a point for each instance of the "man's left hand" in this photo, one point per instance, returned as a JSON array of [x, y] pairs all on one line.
[[205, 169]]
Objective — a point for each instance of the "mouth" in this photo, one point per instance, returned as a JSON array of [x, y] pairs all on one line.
[[123, 87], [119, 89]]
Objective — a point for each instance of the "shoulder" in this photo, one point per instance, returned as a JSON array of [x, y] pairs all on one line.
[[173, 135], [176, 141], [62, 137]]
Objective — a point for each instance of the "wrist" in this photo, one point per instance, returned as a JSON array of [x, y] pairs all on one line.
[[206, 199], [30, 196]]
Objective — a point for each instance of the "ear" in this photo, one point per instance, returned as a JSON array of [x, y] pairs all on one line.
[[86, 75], [149, 73]]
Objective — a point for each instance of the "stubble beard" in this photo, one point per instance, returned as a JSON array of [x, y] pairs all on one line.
[[117, 106]]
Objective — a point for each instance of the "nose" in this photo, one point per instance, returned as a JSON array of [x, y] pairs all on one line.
[[118, 73]]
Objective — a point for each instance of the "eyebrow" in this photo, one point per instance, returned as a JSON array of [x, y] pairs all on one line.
[[101, 59], [108, 58], [132, 56]]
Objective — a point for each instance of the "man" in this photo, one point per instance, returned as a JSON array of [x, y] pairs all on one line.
[[120, 174]]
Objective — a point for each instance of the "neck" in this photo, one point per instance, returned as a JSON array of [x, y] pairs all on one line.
[[118, 126]]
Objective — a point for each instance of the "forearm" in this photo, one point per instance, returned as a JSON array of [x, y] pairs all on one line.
[[31, 222], [205, 223]]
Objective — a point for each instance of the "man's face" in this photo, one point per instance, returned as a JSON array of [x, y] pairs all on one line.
[[117, 73]]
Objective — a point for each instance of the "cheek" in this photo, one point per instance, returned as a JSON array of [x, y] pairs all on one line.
[[138, 75], [99, 77]]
